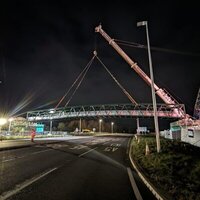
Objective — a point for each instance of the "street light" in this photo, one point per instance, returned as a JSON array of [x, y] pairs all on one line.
[[112, 124], [10, 120], [51, 111], [144, 23], [2, 122], [100, 121], [50, 128]]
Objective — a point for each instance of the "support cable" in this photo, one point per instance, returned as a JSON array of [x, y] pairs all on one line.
[[82, 75], [82, 72], [116, 81], [85, 72]]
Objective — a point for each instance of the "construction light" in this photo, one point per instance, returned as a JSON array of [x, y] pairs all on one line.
[[3, 121]]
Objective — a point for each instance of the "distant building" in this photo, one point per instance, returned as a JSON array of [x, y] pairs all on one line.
[[175, 131], [142, 130], [168, 134], [21, 125], [189, 134]]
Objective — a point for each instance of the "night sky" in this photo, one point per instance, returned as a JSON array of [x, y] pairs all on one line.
[[44, 45]]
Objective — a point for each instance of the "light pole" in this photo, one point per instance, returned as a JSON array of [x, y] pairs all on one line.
[[112, 124], [2, 122], [144, 23], [50, 128], [51, 112], [10, 120], [100, 121], [138, 125], [80, 125]]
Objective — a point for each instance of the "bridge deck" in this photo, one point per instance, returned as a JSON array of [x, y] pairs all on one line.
[[109, 110]]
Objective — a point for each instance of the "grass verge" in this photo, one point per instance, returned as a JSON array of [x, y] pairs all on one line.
[[175, 170]]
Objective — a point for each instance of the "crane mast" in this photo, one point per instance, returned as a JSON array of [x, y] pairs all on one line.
[[168, 99]]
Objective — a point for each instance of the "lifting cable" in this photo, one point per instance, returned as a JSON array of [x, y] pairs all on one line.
[[82, 72], [85, 72], [116, 81], [82, 75]]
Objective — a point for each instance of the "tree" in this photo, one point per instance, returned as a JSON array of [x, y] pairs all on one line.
[[72, 125], [61, 126]]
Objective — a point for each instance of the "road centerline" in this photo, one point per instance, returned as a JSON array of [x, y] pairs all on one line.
[[37, 152], [87, 152]]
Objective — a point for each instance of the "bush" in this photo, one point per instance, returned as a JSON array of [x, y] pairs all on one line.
[[175, 169]]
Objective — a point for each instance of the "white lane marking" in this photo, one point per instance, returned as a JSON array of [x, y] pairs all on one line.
[[23, 185], [133, 184], [59, 145], [91, 143], [128, 145], [115, 145], [11, 159], [87, 152], [21, 156], [8, 160], [42, 151], [107, 141], [113, 149], [94, 142], [79, 147]]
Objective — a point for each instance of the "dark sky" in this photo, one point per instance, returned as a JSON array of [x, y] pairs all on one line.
[[44, 45]]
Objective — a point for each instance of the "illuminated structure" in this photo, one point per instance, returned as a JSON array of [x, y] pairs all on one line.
[[197, 106], [106, 111]]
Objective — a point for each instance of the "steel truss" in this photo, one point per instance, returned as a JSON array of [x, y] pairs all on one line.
[[106, 111]]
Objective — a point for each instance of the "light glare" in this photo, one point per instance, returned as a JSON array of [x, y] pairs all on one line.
[[3, 121]]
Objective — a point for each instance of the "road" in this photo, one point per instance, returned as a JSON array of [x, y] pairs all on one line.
[[87, 168]]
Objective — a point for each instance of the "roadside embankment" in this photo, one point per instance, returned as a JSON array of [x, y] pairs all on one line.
[[175, 171]]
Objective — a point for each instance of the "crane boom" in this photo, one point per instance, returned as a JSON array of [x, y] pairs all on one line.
[[168, 99]]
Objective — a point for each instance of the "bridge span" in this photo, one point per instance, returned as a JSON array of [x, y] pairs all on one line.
[[107, 111]]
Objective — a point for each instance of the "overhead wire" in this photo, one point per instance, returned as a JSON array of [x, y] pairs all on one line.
[[137, 45], [141, 46]]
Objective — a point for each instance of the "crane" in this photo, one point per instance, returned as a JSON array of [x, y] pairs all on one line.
[[197, 106], [163, 94]]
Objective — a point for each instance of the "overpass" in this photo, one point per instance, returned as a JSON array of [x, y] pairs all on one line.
[[171, 108], [107, 111]]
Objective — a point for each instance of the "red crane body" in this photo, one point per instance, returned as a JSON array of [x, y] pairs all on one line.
[[168, 99]]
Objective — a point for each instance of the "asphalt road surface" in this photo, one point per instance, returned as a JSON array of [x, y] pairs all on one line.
[[92, 168]]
